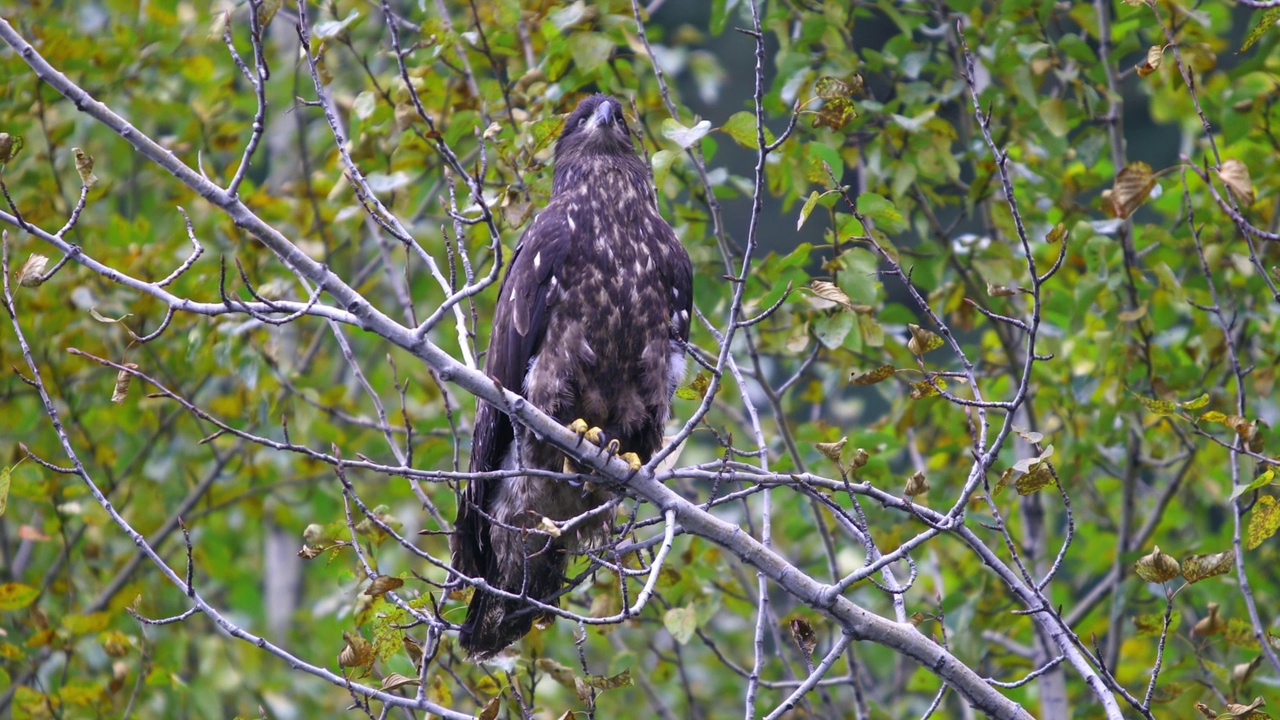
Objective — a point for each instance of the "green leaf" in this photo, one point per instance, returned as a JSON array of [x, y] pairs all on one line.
[[719, 15], [591, 50], [832, 329], [820, 157], [695, 390], [331, 28], [15, 596], [1153, 624], [1262, 480], [741, 126], [364, 104], [6, 475], [661, 162], [84, 624], [566, 17], [1195, 404], [1053, 112], [809, 204], [882, 211], [684, 136], [681, 622]]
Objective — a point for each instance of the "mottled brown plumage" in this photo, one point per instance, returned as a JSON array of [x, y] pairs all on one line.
[[591, 322]]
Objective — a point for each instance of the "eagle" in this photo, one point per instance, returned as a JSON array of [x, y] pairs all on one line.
[[591, 327]]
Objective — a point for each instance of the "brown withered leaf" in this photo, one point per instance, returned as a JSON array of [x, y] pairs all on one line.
[[802, 632], [84, 166], [1236, 711], [831, 450], [1131, 188], [831, 293], [357, 653], [871, 377], [860, 458], [1243, 672], [1155, 54], [1198, 567], [1235, 175], [1156, 567], [917, 484], [383, 584], [1211, 624], [123, 378], [31, 272], [396, 680], [490, 710]]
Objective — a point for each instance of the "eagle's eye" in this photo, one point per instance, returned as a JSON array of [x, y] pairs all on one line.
[[582, 121]]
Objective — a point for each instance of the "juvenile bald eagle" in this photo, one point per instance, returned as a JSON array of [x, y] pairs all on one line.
[[591, 324]]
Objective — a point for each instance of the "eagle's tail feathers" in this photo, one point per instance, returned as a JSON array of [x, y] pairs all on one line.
[[493, 622]]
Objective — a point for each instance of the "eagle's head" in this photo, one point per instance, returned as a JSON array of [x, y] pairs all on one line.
[[596, 127]]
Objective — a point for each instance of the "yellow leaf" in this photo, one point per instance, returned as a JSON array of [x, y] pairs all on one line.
[[871, 377], [1263, 522], [922, 340]]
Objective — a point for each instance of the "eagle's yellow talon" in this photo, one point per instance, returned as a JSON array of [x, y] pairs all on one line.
[[613, 447], [591, 434], [632, 460]]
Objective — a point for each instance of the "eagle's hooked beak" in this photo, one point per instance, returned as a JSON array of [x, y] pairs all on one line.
[[603, 114]]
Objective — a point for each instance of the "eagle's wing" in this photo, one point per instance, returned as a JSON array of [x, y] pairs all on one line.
[[520, 322], [681, 279]]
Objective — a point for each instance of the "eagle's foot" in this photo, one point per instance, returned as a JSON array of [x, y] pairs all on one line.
[[591, 434], [632, 460]]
